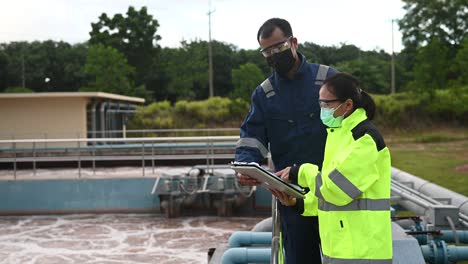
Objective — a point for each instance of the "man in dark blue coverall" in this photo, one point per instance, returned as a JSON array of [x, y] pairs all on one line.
[[284, 118]]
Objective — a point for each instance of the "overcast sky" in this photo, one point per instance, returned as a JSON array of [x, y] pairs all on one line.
[[364, 23]]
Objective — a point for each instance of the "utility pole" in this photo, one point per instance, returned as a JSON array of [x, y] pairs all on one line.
[[23, 82], [393, 64], [210, 53]]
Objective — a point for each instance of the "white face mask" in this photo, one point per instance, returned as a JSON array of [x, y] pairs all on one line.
[[326, 114]]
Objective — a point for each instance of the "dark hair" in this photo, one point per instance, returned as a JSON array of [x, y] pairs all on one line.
[[269, 26], [345, 86]]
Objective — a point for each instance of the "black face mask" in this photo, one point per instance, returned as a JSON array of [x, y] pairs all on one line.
[[282, 62]]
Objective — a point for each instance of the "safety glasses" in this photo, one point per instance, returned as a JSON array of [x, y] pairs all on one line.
[[326, 103], [276, 48]]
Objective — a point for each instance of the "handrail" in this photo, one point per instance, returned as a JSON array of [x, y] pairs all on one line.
[[144, 139], [121, 132], [210, 143]]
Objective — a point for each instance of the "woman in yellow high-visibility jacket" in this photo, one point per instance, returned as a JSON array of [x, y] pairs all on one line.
[[351, 195]]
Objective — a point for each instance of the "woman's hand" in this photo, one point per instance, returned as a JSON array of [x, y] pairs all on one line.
[[246, 180], [284, 174], [284, 198]]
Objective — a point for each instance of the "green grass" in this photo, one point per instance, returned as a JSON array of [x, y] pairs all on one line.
[[433, 156]]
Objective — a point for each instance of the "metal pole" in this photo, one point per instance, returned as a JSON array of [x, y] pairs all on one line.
[[34, 158], [152, 157], [14, 160], [276, 231], [393, 64], [79, 159], [143, 158], [94, 158], [207, 157], [23, 79], [210, 54]]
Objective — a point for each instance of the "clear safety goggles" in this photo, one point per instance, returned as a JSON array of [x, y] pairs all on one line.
[[327, 103], [276, 48]]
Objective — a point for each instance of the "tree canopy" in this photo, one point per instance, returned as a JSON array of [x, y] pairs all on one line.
[[428, 19], [133, 35], [123, 56]]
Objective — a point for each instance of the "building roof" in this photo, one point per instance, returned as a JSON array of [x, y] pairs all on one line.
[[100, 95]]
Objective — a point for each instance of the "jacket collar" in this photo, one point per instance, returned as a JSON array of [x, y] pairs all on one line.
[[354, 119], [302, 68]]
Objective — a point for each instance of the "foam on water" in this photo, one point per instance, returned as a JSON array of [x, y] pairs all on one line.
[[116, 238]]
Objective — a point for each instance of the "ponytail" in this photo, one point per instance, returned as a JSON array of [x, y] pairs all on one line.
[[345, 86], [368, 104]]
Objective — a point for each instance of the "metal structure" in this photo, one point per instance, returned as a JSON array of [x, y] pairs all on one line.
[[204, 187], [442, 219], [117, 149], [440, 215]]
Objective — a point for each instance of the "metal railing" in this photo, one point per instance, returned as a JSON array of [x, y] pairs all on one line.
[[124, 133], [116, 149]]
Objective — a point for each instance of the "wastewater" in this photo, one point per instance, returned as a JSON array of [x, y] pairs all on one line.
[[114, 238]]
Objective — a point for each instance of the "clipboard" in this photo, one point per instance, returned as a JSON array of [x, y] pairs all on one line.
[[268, 179]]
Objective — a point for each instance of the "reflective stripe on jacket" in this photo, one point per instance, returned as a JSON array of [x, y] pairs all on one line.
[[351, 195]]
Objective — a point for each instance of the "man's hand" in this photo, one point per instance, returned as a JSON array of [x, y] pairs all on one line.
[[284, 198], [284, 174], [247, 180]]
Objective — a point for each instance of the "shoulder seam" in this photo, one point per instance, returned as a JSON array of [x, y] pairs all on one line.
[[366, 127]]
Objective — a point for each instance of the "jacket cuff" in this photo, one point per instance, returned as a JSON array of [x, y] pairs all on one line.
[[299, 206], [293, 172]]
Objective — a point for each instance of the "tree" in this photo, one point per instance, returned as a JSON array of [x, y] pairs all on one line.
[[223, 63], [110, 71], [428, 19], [185, 74], [461, 64], [18, 90], [252, 56], [329, 55], [187, 71], [17, 58], [373, 73], [60, 62], [3, 70], [134, 36], [431, 68], [245, 79]]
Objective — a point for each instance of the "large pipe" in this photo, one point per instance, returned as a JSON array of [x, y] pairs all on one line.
[[266, 225], [103, 123], [246, 255], [432, 190], [93, 118], [447, 235], [411, 202], [440, 253], [245, 238], [110, 105]]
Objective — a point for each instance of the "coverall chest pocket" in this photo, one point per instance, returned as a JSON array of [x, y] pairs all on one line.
[[280, 127], [309, 122]]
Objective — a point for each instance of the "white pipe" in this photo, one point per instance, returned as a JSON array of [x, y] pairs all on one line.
[[433, 190]]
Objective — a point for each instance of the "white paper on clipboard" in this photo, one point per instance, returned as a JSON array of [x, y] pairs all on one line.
[[268, 179]]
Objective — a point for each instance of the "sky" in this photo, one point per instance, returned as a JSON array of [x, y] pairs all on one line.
[[364, 23]]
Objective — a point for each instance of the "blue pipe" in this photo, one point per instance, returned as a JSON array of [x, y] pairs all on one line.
[[245, 238], [438, 252], [447, 236], [246, 255]]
